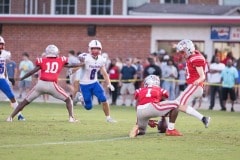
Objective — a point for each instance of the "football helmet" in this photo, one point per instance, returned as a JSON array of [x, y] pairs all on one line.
[[186, 46], [95, 44], [2, 40], [51, 51], [151, 80]]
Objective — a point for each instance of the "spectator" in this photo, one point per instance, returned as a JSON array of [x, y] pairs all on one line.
[[25, 66], [238, 81], [215, 82], [114, 76], [119, 63], [229, 56], [170, 74], [139, 68], [11, 70], [229, 78], [152, 69], [127, 77], [182, 78]]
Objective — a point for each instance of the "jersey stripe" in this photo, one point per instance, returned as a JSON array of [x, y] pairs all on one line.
[[64, 58], [30, 92], [39, 60], [60, 90], [187, 94], [166, 106]]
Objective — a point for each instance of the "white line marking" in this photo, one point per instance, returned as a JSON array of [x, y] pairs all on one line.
[[62, 142]]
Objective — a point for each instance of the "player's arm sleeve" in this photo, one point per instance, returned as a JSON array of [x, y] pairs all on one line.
[[198, 62]]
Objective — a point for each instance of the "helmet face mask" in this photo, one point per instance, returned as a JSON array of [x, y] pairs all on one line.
[[151, 80], [95, 48], [51, 51], [186, 46]]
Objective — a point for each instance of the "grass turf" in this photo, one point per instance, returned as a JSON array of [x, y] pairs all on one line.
[[47, 134]]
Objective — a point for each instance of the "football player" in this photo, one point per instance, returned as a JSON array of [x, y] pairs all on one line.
[[50, 67], [89, 84], [195, 76], [4, 83], [149, 105]]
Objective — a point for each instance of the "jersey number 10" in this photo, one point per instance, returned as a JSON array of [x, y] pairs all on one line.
[[52, 67]]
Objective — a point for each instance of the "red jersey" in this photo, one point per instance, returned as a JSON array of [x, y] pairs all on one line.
[[193, 61], [150, 95], [51, 67]]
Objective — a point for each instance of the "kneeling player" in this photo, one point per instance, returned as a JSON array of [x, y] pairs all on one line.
[[149, 106]]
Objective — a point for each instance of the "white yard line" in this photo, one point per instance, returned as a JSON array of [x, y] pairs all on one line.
[[62, 143]]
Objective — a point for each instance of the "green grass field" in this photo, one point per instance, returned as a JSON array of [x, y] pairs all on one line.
[[47, 134]]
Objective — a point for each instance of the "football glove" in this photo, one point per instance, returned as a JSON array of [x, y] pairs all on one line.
[[152, 123], [111, 87]]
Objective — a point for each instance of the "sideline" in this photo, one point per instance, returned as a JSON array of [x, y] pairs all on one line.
[[62, 143]]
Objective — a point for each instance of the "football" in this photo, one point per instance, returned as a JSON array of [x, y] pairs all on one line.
[[162, 125]]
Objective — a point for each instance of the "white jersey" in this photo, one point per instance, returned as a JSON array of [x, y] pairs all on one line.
[[3, 57], [91, 68]]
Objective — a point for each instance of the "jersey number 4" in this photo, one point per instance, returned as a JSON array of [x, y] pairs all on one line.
[[52, 67]]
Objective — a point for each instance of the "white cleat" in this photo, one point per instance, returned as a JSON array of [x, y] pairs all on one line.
[[72, 120], [110, 120], [9, 119]]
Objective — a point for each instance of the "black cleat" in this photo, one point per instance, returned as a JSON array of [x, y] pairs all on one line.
[[206, 121]]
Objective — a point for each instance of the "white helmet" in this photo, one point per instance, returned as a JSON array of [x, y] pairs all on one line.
[[186, 46], [94, 44], [2, 40], [151, 80], [51, 51]]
